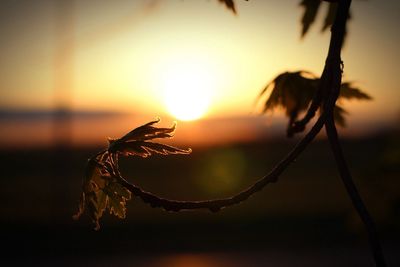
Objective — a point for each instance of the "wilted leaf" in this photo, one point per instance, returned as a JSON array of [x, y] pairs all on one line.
[[119, 189], [101, 186], [145, 149], [117, 207], [101, 190], [294, 91], [147, 132], [135, 142], [117, 197]]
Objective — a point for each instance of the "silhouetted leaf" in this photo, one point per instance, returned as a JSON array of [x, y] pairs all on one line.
[[229, 4], [102, 189], [330, 16], [310, 12], [349, 92], [311, 8], [147, 132], [135, 142], [291, 91], [119, 189], [294, 91], [117, 197], [339, 115], [145, 149]]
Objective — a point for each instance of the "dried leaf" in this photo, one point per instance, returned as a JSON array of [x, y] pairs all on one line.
[[119, 189], [145, 149], [135, 142], [102, 189], [147, 132], [117, 196]]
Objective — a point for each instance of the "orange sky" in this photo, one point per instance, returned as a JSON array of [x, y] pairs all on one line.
[[113, 55]]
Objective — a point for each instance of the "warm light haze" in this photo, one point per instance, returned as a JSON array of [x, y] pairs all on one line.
[[188, 83], [185, 60]]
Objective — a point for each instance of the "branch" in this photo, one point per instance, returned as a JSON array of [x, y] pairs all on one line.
[[218, 204], [333, 61], [353, 192], [338, 33]]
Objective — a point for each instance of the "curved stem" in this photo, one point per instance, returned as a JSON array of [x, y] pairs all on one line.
[[217, 204], [338, 33], [353, 192]]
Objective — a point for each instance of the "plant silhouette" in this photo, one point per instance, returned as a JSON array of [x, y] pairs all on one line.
[[294, 91], [105, 188], [102, 188], [311, 8]]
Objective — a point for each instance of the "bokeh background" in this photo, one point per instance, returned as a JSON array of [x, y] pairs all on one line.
[[73, 73]]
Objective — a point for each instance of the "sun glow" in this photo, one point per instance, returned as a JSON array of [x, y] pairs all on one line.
[[188, 86]]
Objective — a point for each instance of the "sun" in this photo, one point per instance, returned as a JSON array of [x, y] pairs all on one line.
[[188, 86]]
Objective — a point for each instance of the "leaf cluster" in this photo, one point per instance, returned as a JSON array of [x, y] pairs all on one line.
[[311, 9], [102, 187], [294, 92]]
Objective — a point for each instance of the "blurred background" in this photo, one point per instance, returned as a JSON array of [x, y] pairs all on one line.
[[73, 73]]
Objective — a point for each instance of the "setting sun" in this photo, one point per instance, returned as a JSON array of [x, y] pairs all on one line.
[[188, 86]]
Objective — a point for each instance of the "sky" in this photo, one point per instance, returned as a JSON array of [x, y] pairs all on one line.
[[189, 58]]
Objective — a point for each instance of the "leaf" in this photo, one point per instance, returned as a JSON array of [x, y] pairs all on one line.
[[330, 16], [310, 12], [117, 198], [116, 207], [311, 8], [229, 4], [147, 132], [347, 91], [101, 187], [101, 190], [119, 189], [135, 142], [145, 149], [294, 91], [339, 115]]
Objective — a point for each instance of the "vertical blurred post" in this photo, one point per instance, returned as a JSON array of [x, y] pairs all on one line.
[[63, 85]]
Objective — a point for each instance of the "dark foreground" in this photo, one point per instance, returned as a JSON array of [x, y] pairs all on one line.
[[305, 219]]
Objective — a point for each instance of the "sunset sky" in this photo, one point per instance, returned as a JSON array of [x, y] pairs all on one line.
[[162, 57]]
